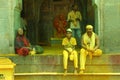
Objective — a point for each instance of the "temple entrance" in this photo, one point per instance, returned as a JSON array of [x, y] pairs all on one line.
[[41, 16]]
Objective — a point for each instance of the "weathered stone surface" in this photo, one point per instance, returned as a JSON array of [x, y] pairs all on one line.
[[8, 24], [109, 24], [54, 63]]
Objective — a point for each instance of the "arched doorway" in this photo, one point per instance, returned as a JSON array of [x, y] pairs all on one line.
[[41, 13]]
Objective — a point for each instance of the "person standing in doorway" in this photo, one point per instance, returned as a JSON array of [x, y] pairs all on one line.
[[74, 19]]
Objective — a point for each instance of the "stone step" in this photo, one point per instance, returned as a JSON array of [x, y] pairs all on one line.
[[53, 63], [68, 76]]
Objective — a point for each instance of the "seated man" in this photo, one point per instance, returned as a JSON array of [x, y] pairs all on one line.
[[69, 51], [22, 45], [90, 45]]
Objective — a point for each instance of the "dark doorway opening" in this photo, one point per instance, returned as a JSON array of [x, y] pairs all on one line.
[[39, 15], [88, 13]]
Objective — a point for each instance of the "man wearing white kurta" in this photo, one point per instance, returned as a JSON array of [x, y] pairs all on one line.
[[90, 45]]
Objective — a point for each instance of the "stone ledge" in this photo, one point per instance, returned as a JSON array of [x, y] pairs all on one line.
[[59, 53], [68, 74]]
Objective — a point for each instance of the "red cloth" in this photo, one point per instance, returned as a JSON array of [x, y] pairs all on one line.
[[60, 24], [21, 43], [25, 41], [23, 51]]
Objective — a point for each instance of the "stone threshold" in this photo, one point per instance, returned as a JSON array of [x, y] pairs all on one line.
[[68, 74]]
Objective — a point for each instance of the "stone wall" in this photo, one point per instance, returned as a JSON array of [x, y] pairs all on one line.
[[9, 23], [108, 21], [111, 25], [6, 26]]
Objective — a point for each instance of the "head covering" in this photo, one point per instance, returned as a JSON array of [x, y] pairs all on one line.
[[89, 27], [20, 29], [69, 30]]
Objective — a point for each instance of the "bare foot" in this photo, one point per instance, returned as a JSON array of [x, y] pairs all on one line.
[[81, 72]]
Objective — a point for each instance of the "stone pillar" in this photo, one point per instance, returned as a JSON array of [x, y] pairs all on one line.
[[98, 20], [7, 28], [108, 18], [17, 11], [111, 26]]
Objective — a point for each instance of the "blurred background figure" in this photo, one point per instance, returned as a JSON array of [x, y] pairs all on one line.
[[60, 25], [74, 19]]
